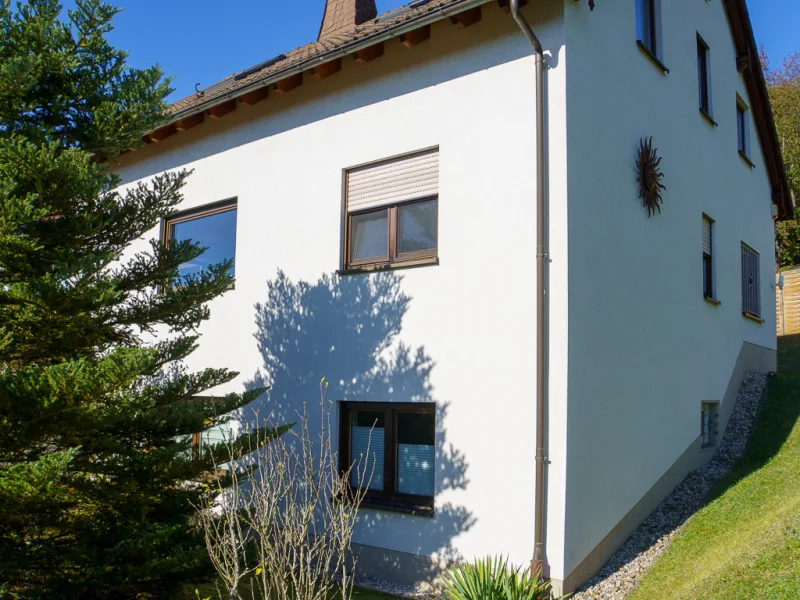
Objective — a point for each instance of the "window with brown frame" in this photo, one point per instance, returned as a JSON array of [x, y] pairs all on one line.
[[648, 29], [751, 293], [212, 226], [392, 212], [743, 128], [703, 77], [708, 258], [391, 447]]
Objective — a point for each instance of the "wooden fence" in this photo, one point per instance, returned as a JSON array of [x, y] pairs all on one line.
[[788, 302]]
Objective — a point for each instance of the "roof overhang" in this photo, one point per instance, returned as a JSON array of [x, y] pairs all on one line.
[[416, 28]]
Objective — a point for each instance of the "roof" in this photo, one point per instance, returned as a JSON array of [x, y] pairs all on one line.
[[392, 22], [324, 58]]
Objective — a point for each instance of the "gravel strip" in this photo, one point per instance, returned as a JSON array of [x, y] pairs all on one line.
[[620, 574], [395, 589]]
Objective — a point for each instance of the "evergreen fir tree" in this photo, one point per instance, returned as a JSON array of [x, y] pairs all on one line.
[[95, 459]]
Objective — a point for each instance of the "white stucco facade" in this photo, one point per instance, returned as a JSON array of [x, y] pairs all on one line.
[[633, 346], [645, 348]]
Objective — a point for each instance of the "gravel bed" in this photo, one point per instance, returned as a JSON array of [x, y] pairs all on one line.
[[619, 575], [395, 589]]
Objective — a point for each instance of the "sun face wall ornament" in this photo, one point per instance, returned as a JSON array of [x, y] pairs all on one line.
[[649, 177]]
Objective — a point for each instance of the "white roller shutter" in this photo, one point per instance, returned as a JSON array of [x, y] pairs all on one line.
[[706, 236], [392, 181]]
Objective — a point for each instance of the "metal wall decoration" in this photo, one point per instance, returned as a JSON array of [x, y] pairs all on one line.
[[649, 177]]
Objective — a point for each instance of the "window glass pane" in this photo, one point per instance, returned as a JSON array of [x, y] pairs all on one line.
[[366, 448], [702, 74], [216, 233], [369, 235], [740, 122], [647, 16], [416, 439], [418, 226]]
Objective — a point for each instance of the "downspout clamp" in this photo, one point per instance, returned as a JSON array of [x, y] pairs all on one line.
[[541, 290]]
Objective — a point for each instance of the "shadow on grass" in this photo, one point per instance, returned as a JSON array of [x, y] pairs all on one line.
[[778, 418]]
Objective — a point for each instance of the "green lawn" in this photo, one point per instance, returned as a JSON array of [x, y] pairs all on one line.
[[745, 543]]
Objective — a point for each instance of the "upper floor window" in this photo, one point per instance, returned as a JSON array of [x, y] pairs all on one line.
[[743, 127], [751, 290], [703, 77], [648, 29], [213, 227], [392, 212], [708, 258]]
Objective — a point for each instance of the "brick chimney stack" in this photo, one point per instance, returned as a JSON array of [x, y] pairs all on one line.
[[343, 15]]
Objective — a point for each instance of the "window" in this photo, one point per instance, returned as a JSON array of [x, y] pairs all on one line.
[[213, 227], [703, 77], [648, 28], [392, 449], [709, 413], [708, 258], [743, 128], [751, 297], [392, 212]]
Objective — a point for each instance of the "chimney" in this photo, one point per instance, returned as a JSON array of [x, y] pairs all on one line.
[[343, 15]]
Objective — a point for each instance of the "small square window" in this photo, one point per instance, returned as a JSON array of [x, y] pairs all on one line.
[[743, 128], [212, 227], [703, 77], [392, 450], [709, 414], [751, 289]]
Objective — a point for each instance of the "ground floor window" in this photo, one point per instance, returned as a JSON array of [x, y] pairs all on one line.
[[392, 449]]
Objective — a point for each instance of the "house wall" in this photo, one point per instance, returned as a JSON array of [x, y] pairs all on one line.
[[645, 348], [462, 333]]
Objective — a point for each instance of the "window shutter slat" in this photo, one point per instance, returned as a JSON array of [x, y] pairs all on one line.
[[393, 181], [706, 236]]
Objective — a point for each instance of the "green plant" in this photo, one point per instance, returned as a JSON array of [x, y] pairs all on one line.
[[96, 412], [494, 579]]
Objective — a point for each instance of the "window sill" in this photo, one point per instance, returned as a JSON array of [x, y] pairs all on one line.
[[712, 301], [652, 56], [709, 448], [398, 507], [709, 118], [409, 264], [751, 316], [746, 159]]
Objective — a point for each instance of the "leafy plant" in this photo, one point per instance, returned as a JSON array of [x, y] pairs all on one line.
[[495, 579]]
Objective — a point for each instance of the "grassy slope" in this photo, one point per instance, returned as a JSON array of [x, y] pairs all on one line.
[[745, 543]]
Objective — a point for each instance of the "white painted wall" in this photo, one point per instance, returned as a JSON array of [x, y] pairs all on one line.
[[645, 348], [471, 93]]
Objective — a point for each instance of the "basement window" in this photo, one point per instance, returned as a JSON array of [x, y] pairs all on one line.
[[392, 213], [709, 415], [213, 227], [391, 448]]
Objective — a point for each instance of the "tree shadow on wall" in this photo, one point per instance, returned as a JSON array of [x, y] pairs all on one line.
[[345, 329]]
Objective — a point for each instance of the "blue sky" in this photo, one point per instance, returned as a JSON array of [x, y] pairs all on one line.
[[202, 41]]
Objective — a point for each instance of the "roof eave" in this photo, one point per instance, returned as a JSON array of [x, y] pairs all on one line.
[[339, 52]]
